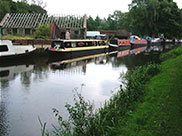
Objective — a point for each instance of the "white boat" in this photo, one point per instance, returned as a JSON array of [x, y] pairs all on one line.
[[8, 50]]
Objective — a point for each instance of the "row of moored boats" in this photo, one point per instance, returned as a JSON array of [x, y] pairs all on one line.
[[9, 50]]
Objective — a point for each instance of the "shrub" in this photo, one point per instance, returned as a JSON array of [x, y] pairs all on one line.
[[43, 31], [171, 54]]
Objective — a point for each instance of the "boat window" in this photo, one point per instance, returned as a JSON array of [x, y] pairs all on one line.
[[79, 44], [73, 44], [4, 73], [3, 48], [67, 44]]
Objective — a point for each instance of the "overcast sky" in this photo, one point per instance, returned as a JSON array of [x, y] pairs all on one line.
[[102, 8]]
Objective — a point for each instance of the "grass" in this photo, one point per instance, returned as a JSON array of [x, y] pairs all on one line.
[[160, 114], [22, 37], [17, 37]]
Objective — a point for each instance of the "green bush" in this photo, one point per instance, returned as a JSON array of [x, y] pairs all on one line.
[[43, 31]]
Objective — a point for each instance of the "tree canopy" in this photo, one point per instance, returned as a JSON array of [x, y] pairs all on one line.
[[9, 6]]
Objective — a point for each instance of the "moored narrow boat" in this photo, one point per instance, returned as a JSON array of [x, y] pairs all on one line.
[[117, 43], [137, 42], [77, 47], [9, 51]]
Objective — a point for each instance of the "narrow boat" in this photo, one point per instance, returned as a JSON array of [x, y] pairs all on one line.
[[156, 41], [77, 47], [117, 43], [137, 42], [10, 51]]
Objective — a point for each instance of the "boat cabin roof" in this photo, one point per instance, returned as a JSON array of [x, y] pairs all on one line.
[[78, 40]]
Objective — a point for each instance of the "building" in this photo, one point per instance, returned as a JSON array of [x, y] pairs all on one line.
[[26, 23]]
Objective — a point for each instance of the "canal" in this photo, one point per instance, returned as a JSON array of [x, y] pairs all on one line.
[[29, 90]]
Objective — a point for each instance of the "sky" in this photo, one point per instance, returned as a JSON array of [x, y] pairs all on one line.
[[102, 8]]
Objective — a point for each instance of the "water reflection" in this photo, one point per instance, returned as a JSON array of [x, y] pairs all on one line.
[[32, 89]]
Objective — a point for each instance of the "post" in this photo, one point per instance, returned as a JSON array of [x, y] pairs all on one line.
[[84, 26]]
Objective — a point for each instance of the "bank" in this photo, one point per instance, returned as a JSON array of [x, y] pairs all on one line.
[[149, 105], [160, 112]]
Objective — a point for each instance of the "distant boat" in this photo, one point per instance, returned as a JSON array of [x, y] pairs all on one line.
[[77, 47], [8, 50], [137, 42], [119, 43]]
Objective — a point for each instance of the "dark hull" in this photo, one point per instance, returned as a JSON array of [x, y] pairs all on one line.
[[156, 43], [133, 46], [122, 47], [73, 54], [11, 58]]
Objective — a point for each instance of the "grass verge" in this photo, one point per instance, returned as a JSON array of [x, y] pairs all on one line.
[[161, 111]]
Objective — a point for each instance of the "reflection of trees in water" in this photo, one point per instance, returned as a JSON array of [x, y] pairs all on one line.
[[40, 72], [25, 78], [133, 60]]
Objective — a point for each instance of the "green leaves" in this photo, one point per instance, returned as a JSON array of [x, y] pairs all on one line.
[[154, 17], [43, 31]]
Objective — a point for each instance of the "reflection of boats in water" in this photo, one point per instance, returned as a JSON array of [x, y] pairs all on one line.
[[10, 51], [130, 52], [9, 73], [80, 62], [77, 47]]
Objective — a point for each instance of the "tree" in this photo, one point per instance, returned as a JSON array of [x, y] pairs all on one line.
[[91, 26], [39, 3], [155, 17], [170, 19], [36, 9], [4, 8], [117, 20], [43, 31], [143, 16], [9, 6]]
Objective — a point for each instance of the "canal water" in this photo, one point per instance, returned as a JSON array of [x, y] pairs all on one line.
[[29, 90]]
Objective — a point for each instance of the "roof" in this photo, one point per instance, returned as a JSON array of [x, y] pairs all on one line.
[[92, 33], [33, 20], [77, 40], [122, 32]]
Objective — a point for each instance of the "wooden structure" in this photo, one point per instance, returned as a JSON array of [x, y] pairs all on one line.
[[122, 34], [26, 23]]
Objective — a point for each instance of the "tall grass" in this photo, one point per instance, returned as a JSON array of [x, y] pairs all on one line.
[[83, 121]]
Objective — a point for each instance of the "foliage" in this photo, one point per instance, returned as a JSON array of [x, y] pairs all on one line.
[[9, 6], [117, 20], [4, 8], [84, 122], [43, 31], [154, 17], [171, 54]]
